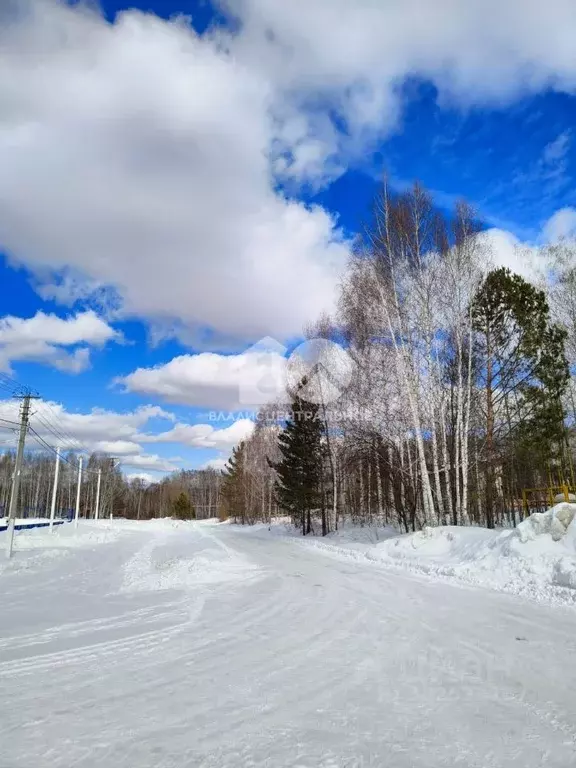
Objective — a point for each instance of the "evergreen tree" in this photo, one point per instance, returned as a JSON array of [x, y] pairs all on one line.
[[523, 371], [234, 484], [299, 485], [182, 509]]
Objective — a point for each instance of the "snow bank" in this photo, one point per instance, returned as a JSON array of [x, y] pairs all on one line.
[[33, 546], [66, 536], [536, 558]]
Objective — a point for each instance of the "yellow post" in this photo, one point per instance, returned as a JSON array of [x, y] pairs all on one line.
[[525, 501], [566, 493]]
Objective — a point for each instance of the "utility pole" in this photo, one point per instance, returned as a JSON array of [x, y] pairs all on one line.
[[78, 492], [24, 416], [54, 490], [97, 512]]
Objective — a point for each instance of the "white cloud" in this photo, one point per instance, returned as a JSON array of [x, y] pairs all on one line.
[[44, 339], [555, 152], [212, 380], [218, 464], [118, 448], [99, 426], [151, 462], [167, 194], [560, 226], [506, 250], [172, 143], [146, 477], [530, 259], [205, 435], [84, 327], [360, 50], [117, 434]]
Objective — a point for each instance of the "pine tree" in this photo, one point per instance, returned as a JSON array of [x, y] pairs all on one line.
[[234, 485], [299, 485], [182, 509], [523, 370]]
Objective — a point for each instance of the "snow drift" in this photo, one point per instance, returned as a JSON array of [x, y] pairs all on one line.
[[536, 557]]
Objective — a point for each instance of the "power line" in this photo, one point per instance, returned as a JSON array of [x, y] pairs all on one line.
[[47, 421], [39, 439], [15, 388], [57, 430], [8, 381], [7, 421], [60, 436]]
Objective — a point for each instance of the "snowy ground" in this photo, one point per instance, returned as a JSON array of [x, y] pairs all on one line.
[[198, 645], [537, 559]]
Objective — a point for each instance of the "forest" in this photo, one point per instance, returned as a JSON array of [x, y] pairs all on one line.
[[462, 404], [119, 496]]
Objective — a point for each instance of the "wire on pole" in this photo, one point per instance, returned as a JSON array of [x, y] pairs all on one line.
[[14, 495]]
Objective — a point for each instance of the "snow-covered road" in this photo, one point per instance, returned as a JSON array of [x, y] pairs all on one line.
[[206, 646]]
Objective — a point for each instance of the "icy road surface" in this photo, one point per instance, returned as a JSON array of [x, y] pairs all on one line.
[[206, 646]]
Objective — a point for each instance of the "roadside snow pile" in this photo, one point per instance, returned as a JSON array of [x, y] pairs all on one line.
[[36, 545], [537, 558], [66, 536]]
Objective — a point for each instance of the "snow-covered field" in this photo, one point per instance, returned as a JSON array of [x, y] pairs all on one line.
[[170, 645]]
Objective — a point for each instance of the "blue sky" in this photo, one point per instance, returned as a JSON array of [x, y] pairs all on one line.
[[164, 183]]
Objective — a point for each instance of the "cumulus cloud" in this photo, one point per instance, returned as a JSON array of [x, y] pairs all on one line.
[[507, 250], [110, 432], [45, 339], [99, 425], [145, 477], [121, 435], [212, 380], [152, 462], [205, 435], [218, 464], [173, 144], [359, 51], [530, 259], [168, 195], [561, 226]]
